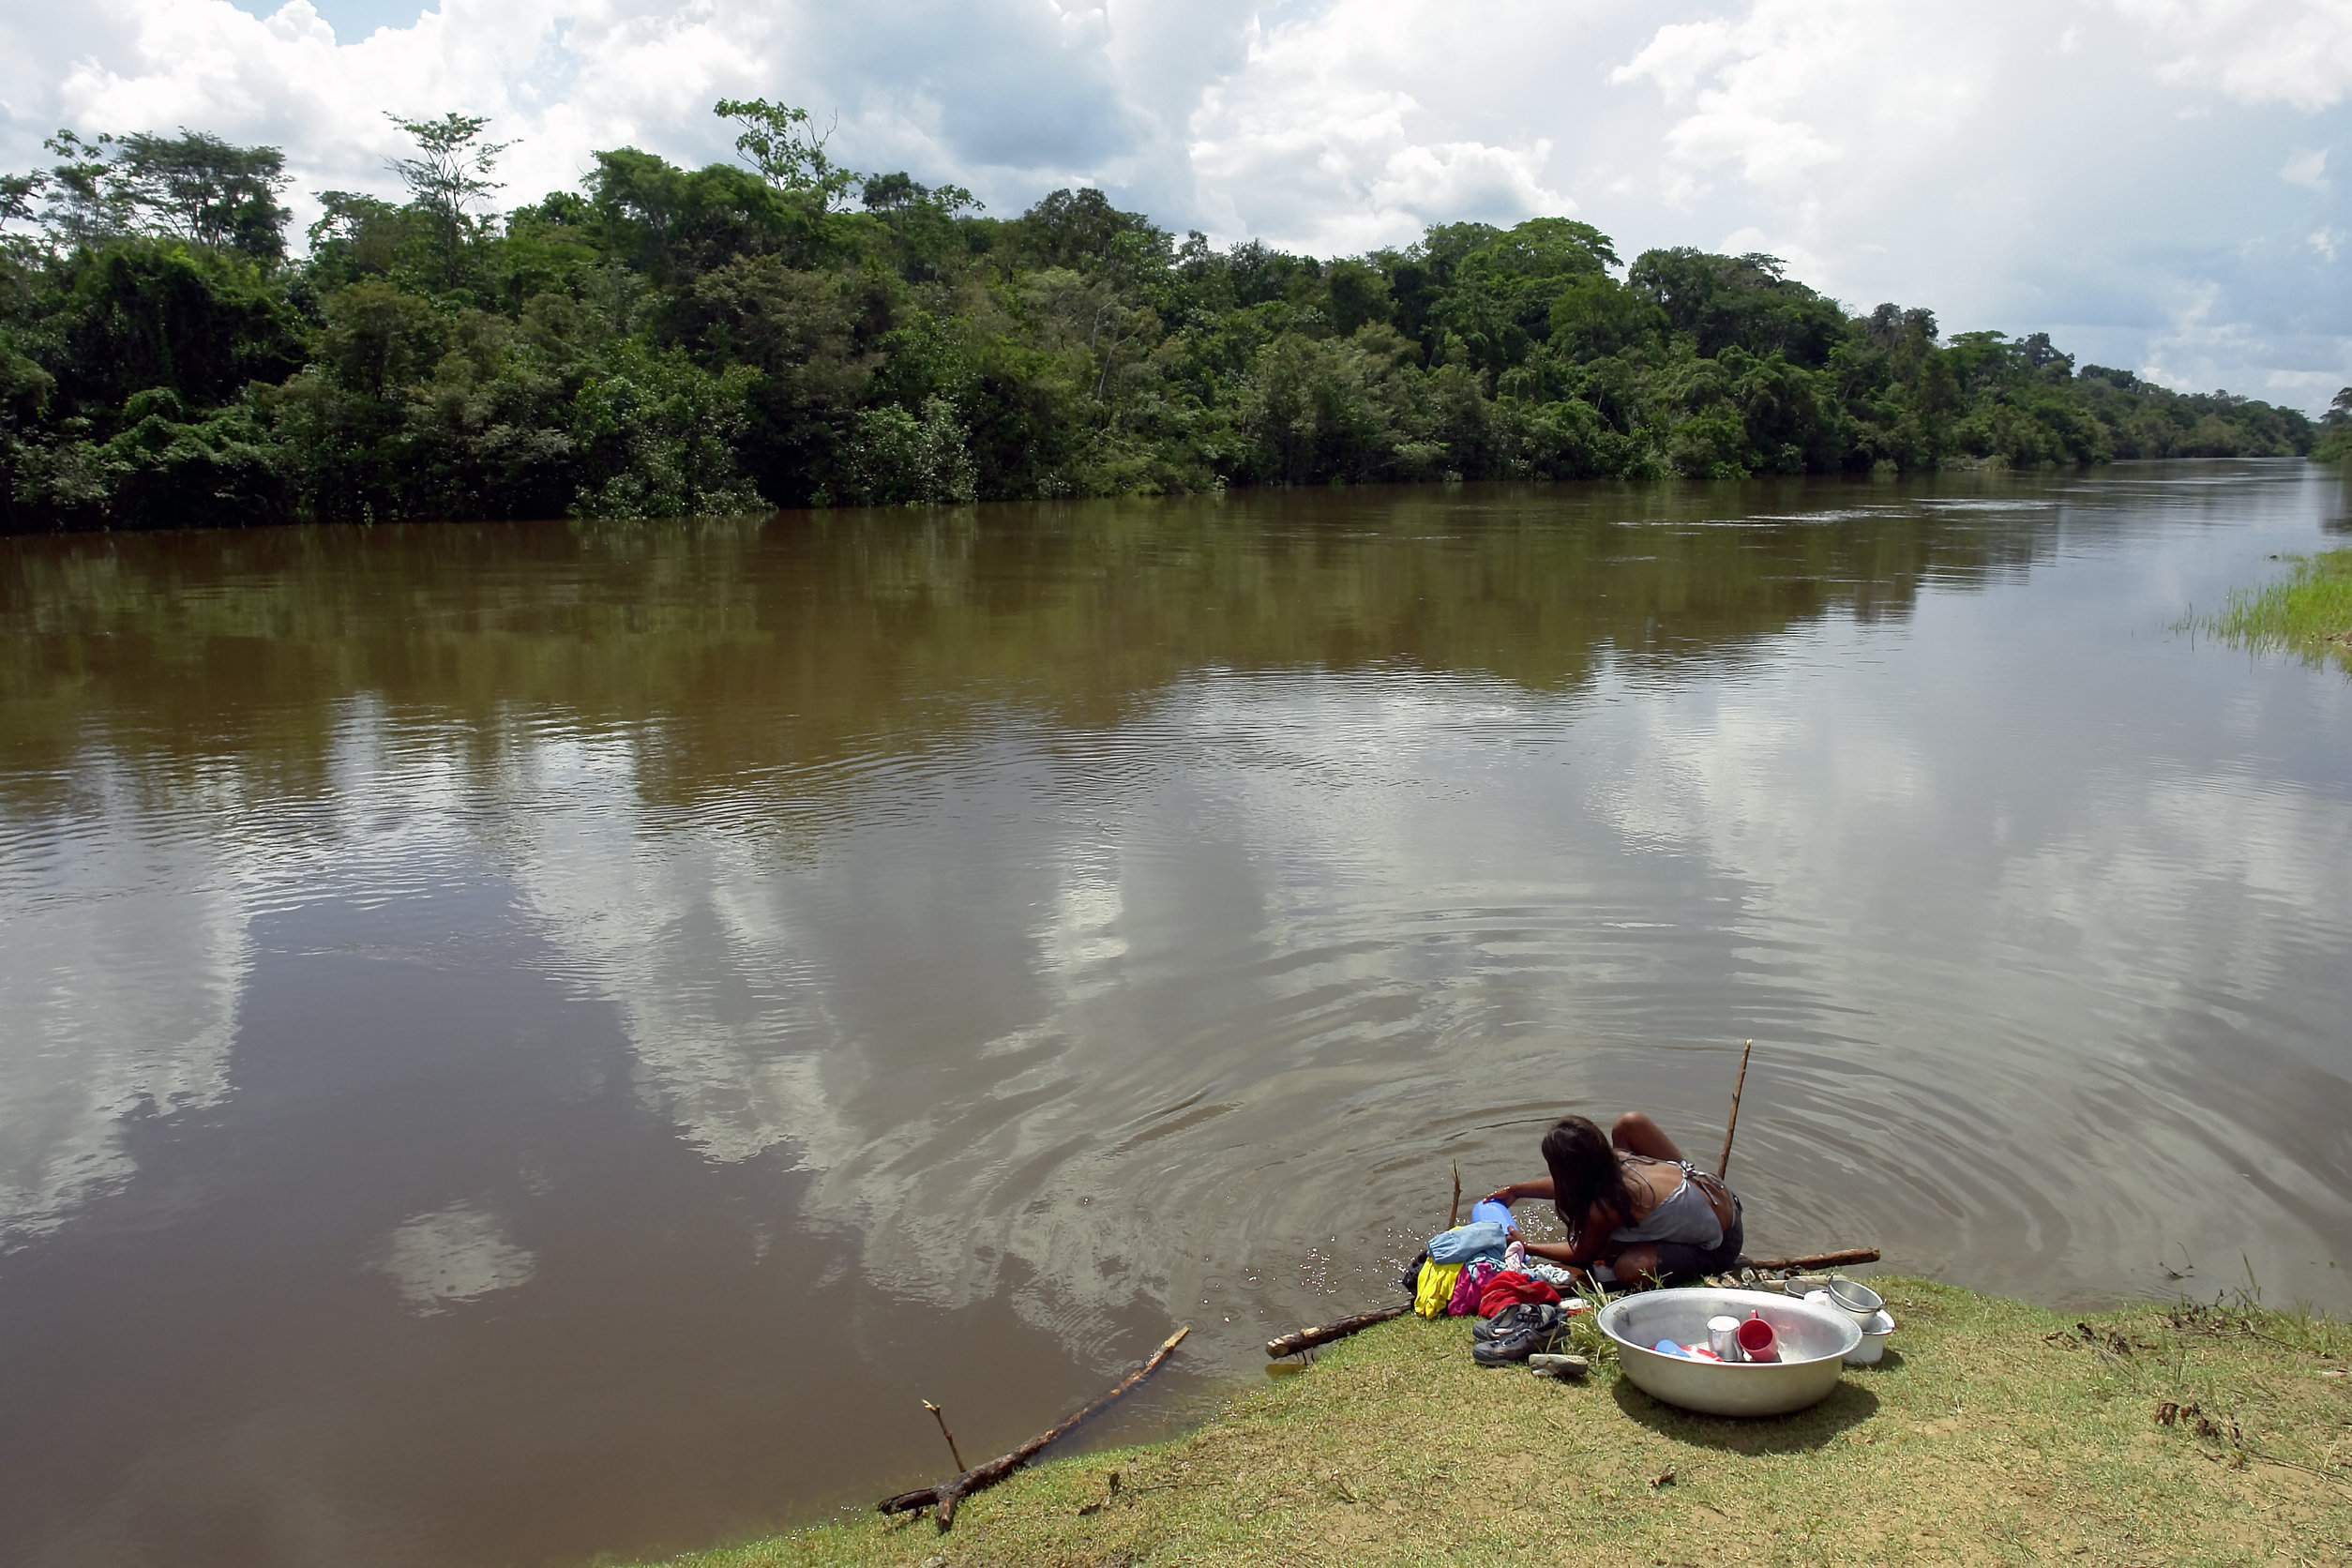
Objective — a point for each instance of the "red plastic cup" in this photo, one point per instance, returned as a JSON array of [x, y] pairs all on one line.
[[1756, 1338]]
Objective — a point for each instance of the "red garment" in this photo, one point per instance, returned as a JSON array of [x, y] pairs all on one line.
[[1508, 1289]]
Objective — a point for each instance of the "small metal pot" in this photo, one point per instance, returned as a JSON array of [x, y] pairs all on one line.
[[1855, 1299], [1873, 1342]]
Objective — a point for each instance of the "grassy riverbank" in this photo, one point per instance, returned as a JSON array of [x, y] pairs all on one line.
[[2000, 1433], [2308, 612]]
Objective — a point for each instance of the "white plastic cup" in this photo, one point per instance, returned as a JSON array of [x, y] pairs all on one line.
[[1723, 1337]]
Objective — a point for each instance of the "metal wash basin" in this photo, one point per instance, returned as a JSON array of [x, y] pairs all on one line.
[[1814, 1342]]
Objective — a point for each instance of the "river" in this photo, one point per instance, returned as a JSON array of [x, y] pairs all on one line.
[[529, 1040]]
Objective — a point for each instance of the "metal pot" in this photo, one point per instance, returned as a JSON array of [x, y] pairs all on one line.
[[1814, 1342], [1874, 1341], [1855, 1299]]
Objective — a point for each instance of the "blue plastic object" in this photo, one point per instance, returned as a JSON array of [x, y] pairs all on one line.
[[1668, 1347], [1487, 1211]]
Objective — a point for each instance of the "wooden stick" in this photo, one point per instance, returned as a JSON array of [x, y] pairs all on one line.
[[1815, 1261], [1453, 1211], [1291, 1343], [1723, 1165], [940, 1416], [944, 1495]]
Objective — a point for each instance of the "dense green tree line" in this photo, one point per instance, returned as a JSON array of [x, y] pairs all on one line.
[[787, 332], [2335, 431]]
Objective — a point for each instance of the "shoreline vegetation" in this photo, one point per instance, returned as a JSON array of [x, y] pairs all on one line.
[[785, 332], [1994, 1431], [2307, 613]]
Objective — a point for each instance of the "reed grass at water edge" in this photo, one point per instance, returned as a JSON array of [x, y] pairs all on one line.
[[2308, 612]]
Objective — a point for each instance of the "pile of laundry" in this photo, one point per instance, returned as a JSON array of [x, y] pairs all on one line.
[[1479, 1270]]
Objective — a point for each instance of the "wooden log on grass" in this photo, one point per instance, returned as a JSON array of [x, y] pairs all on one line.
[[1291, 1343], [943, 1496]]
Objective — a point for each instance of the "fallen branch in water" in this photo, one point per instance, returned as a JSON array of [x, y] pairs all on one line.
[[1814, 1259], [1291, 1343], [944, 1495]]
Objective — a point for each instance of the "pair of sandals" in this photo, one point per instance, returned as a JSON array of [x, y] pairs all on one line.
[[1517, 1332]]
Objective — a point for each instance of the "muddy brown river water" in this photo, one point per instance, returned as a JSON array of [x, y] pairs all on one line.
[[528, 1041]]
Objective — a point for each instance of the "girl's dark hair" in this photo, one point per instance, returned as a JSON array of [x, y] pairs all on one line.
[[1585, 1174]]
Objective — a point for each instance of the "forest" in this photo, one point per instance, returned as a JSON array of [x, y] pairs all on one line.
[[783, 331]]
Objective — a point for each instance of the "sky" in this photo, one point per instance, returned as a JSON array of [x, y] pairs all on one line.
[[2155, 183]]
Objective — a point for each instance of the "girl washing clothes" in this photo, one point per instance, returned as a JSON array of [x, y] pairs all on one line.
[[1635, 1208]]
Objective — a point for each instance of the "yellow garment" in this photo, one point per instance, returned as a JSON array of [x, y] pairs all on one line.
[[1435, 1289]]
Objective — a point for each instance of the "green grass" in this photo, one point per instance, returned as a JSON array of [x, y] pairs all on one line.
[[1994, 1432], [2309, 613]]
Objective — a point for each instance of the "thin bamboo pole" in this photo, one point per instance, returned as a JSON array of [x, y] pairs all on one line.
[[1723, 1165]]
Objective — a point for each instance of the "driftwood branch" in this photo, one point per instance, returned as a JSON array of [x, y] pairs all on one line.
[[1723, 1165], [943, 1496], [1291, 1343], [957, 1454], [1815, 1259], [1454, 1210]]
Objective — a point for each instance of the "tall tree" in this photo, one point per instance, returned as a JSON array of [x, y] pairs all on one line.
[[450, 177], [86, 207], [899, 193], [200, 189], [193, 187], [781, 143]]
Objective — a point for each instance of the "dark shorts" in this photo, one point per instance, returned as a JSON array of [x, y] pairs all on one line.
[[1679, 1261]]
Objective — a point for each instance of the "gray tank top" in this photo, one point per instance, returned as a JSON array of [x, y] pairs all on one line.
[[1681, 1215]]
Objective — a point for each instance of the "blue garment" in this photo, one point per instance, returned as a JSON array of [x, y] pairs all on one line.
[[1464, 1243]]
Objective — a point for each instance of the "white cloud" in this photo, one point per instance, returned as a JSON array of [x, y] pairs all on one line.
[[1678, 56], [1762, 93], [1357, 125], [1935, 154], [2078, 168], [2294, 52], [2308, 169]]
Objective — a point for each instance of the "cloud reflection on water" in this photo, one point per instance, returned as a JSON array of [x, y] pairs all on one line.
[[1323, 934], [126, 951]]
